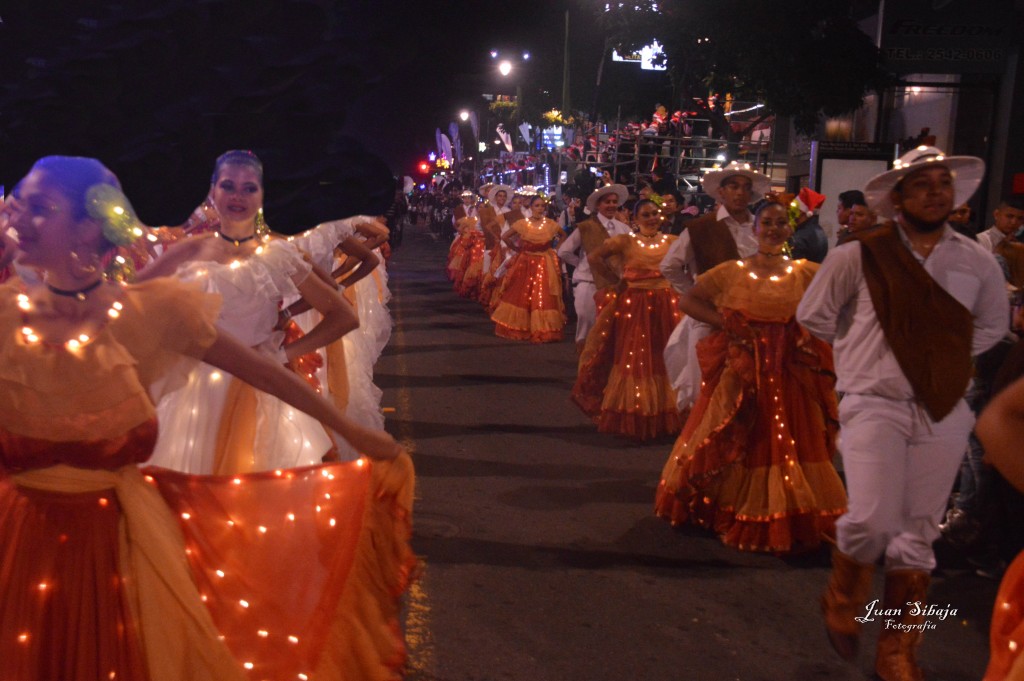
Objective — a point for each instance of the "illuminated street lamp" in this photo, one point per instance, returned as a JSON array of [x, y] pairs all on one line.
[[494, 54], [526, 56], [463, 116], [505, 67]]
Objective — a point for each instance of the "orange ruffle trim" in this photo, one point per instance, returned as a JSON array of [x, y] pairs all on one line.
[[530, 304], [468, 284], [622, 383], [754, 460], [366, 639]]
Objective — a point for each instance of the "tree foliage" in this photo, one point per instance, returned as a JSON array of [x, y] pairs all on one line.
[[157, 90], [802, 58]]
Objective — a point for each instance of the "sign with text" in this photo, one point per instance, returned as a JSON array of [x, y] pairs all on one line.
[[947, 36]]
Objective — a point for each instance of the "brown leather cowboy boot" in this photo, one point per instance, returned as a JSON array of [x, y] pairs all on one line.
[[848, 589], [896, 659]]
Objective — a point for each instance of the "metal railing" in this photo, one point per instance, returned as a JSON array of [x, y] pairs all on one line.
[[631, 157]]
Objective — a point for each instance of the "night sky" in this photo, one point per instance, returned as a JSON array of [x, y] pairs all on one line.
[[335, 97]]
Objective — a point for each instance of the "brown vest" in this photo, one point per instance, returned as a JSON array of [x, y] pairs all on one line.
[[712, 242], [513, 216], [928, 329], [1013, 253], [489, 222], [592, 235]]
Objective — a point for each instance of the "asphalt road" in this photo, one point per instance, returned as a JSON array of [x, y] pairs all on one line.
[[542, 560]]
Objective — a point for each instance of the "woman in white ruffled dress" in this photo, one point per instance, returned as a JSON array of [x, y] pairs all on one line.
[[355, 354], [217, 424]]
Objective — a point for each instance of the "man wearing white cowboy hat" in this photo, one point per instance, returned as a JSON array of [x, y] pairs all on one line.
[[492, 217], [466, 209], [588, 235], [726, 234], [906, 306]]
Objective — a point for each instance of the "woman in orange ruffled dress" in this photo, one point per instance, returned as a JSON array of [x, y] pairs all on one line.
[[530, 304], [112, 572], [458, 253], [754, 460], [468, 281], [622, 383]]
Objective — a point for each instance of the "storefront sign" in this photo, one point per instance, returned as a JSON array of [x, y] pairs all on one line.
[[947, 36]]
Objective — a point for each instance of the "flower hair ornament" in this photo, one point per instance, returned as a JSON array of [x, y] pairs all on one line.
[[110, 207], [108, 204]]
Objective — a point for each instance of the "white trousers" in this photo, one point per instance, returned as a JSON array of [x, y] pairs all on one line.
[[900, 467], [583, 293]]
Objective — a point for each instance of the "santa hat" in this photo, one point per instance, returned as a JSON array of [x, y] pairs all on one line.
[[808, 200]]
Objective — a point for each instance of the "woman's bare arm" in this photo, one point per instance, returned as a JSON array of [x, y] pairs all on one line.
[[358, 251], [375, 233], [598, 258], [264, 374], [696, 303], [338, 317]]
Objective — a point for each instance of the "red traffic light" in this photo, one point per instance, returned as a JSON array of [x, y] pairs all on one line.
[[424, 167]]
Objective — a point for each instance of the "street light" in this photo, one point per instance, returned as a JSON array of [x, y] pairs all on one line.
[[463, 116], [526, 56], [505, 67]]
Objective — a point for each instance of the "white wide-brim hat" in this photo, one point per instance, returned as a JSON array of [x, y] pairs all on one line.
[[714, 178], [595, 196], [484, 189], [466, 192], [499, 188], [967, 172]]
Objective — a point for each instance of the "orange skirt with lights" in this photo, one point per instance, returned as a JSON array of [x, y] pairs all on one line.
[[754, 460], [622, 383], [1007, 630], [299, 570], [530, 304], [468, 284], [456, 265]]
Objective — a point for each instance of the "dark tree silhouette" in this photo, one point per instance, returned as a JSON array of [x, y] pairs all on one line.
[[158, 89]]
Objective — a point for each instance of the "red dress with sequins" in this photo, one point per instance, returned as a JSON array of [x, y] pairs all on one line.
[[112, 572], [754, 460]]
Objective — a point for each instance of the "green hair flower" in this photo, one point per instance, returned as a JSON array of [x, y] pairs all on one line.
[[110, 206]]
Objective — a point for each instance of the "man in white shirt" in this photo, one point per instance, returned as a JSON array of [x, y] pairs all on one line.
[[588, 235], [727, 234], [1008, 217], [906, 306], [492, 219]]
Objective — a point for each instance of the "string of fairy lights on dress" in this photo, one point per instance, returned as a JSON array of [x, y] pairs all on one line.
[[77, 340]]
